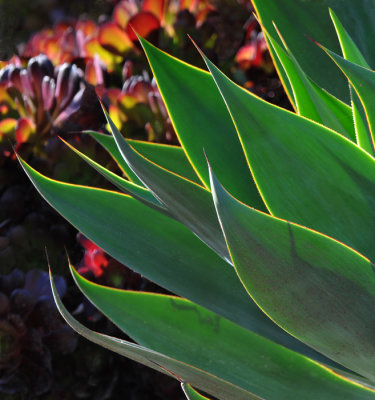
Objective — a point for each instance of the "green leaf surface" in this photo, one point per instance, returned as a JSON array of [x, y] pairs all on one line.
[[169, 157], [138, 192], [312, 101], [201, 121], [363, 81], [163, 250], [280, 68], [191, 393], [187, 202], [216, 345], [109, 144], [307, 173], [221, 389], [314, 287], [364, 138], [349, 49], [300, 20], [353, 54]]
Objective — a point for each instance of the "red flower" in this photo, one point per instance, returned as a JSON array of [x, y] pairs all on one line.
[[94, 260]]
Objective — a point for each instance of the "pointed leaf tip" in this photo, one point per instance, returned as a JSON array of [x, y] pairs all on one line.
[[191, 393], [197, 47]]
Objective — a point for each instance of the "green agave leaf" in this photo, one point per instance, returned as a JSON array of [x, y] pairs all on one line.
[[185, 201], [169, 157], [138, 192], [164, 251], [353, 54], [310, 19], [317, 289], [307, 173], [216, 345], [221, 389], [192, 394], [280, 67], [312, 101], [109, 144], [363, 81], [202, 121], [350, 50], [364, 137]]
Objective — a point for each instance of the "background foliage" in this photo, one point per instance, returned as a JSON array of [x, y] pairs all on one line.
[[88, 47]]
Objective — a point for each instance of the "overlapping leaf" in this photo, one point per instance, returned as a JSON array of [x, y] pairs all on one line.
[[138, 192], [312, 101], [306, 173], [363, 81], [353, 54], [215, 345], [192, 394], [300, 20], [317, 289], [185, 201], [202, 121], [108, 142], [169, 157], [163, 250], [160, 362]]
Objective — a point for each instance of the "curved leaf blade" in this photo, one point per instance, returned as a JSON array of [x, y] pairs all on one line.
[[185, 201], [216, 345], [164, 251], [109, 144], [353, 54], [209, 128], [363, 81], [192, 394], [176, 369], [349, 49], [317, 289], [312, 101], [311, 20], [138, 192], [169, 157], [307, 173]]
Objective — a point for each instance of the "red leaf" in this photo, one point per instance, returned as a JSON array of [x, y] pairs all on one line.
[[24, 129], [156, 7], [249, 55], [114, 39], [143, 23], [123, 12]]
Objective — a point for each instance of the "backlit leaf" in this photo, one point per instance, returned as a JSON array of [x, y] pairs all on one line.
[[300, 20], [185, 201], [307, 173], [312, 101], [163, 250], [353, 54], [169, 157], [215, 345], [192, 394], [201, 121], [223, 390], [314, 287], [362, 80]]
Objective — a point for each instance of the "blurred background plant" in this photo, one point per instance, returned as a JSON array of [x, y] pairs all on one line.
[[55, 56]]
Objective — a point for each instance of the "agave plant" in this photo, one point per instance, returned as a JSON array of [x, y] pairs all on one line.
[[268, 245]]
